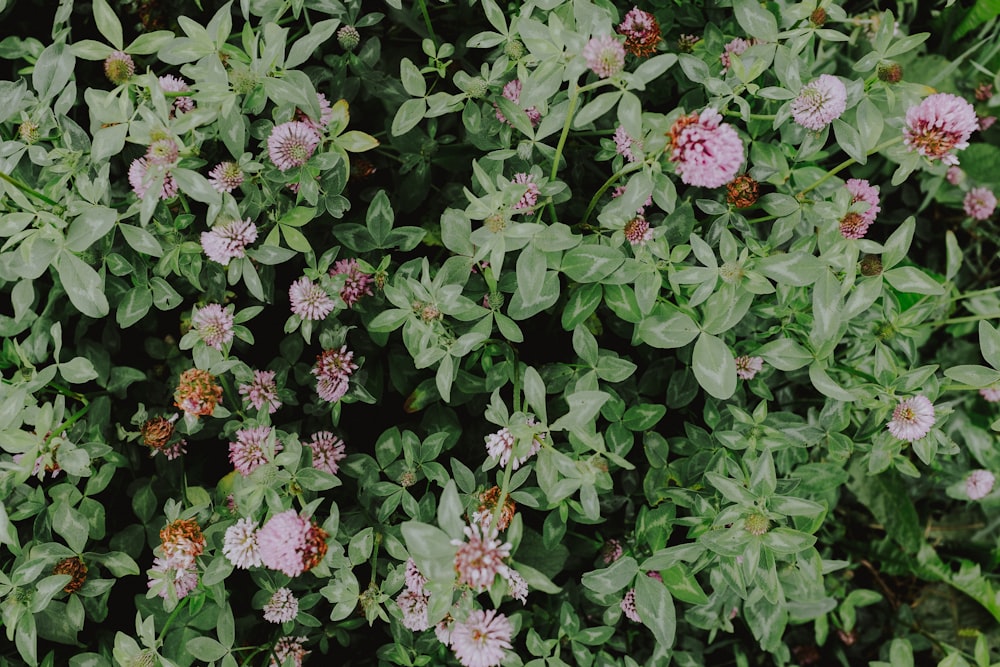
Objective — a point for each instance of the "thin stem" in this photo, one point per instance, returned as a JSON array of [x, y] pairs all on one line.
[[959, 387], [627, 169], [847, 163], [27, 190], [170, 619], [427, 20], [574, 97], [505, 485], [67, 424], [753, 116], [964, 319], [982, 292]]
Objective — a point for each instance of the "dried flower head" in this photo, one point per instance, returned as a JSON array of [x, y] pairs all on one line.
[[984, 91], [642, 32], [487, 508], [742, 191], [912, 418], [197, 392], [686, 42], [819, 102], [181, 541], [707, 151], [940, 124], [890, 72], [156, 432], [74, 567], [818, 17], [871, 265], [119, 67]]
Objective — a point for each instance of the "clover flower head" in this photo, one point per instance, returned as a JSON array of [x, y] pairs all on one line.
[[480, 558], [979, 483], [414, 607], [291, 543], [637, 231], [605, 56], [530, 197], [214, 325], [820, 102], [979, 203], [327, 449], [940, 124], [226, 176], [197, 392], [357, 284], [333, 369], [309, 300], [480, 640], [707, 151], [325, 115], [175, 84], [283, 606], [735, 47], [240, 544], [912, 418], [512, 92], [229, 240], [642, 32], [289, 647], [142, 174], [747, 367], [624, 144], [261, 391], [119, 67], [291, 144], [628, 607]]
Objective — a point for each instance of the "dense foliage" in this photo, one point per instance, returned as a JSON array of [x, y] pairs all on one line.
[[560, 333]]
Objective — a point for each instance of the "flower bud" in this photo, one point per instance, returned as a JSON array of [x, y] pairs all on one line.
[[28, 131], [478, 88], [871, 265], [818, 17], [742, 191], [348, 37], [514, 49], [890, 72], [119, 67]]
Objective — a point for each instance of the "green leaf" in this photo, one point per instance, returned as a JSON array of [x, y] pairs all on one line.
[[887, 498], [411, 78], [141, 241], [989, 343], [656, 609], [355, 141], [133, 306], [825, 384], [408, 115], [71, 525], [798, 269], [118, 563], [206, 648], [53, 71], [89, 226], [83, 285], [785, 354], [77, 370], [582, 302], [432, 550], [714, 366], [304, 47], [644, 416], [596, 108], [898, 244], [379, 218], [361, 545], [683, 585], [981, 12], [165, 297], [612, 579], [591, 263], [850, 141], [870, 124], [108, 24], [912, 280], [667, 328], [756, 20], [787, 541], [196, 186], [450, 512]]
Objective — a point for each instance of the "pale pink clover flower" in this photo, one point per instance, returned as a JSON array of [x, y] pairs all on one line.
[[707, 151], [912, 418], [283, 606], [991, 394], [480, 559], [226, 177], [240, 544], [940, 124], [308, 300], [979, 203], [624, 144], [291, 144], [333, 370], [530, 197], [249, 451], [480, 640], [512, 92], [414, 607], [747, 367], [820, 102], [628, 606], [605, 56], [214, 325], [174, 84], [735, 47], [289, 647], [357, 283], [979, 483], [327, 449], [141, 175], [261, 391], [290, 543], [229, 240]]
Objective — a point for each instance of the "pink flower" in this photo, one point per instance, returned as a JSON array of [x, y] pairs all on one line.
[[991, 394], [637, 231], [325, 114], [979, 483], [985, 122], [611, 551], [479, 560], [289, 647], [954, 175], [357, 284], [620, 190], [501, 446], [735, 47], [628, 606], [214, 325], [169, 581], [414, 608], [940, 124], [979, 203], [229, 240], [333, 369], [283, 606], [480, 641], [912, 419], [707, 152], [141, 176], [415, 581], [642, 32], [327, 449], [291, 544], [309, 300], [240, 544], [517, 587], [251, 449], [226, 176], [173, 84], [512, 91], [624, 143], [820, 102], [748, 367], [605, 56], [262, 391], [163, 152], [443, 630], [530, 197], [291, 144], [862, 190]]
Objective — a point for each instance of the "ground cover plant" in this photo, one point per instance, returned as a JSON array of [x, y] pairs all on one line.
[[562, 332]]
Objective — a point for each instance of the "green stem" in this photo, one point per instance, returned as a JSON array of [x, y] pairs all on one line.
[[574, 97], [847, 163], [964, 319], [505, 485], [170, 619], [959, 387], [753, 116], [982, 292], [627, 169], [67, 424], [764, 218], [27, 190], [427, 20]]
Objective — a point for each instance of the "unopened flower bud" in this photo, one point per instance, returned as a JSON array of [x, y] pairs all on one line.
[[478, 88], [890, 72], [514, 49], [495, 223], [28, 131], [757, 524], [984, 91], [685, 43], [871, 265], [348, 37], [119, 67], [818, 17]]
